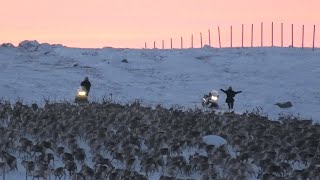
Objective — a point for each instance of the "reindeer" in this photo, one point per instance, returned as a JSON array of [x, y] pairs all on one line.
[[3, 168], [79, 155], [41, 171], [37, 174], [59, 173], [10, 160], [71, 167], [67, 157], [46, 145], [45, 158], [101, 171], [60, 151], [37, 149], [78, 176], [120, 130], [98, 159], [87, 172], [29, 166]]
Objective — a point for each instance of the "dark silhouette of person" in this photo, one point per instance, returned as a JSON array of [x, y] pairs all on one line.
[[230, 95], [86, 83], [206, 97]]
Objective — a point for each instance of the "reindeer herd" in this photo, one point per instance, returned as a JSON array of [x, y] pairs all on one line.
[[111, 141]]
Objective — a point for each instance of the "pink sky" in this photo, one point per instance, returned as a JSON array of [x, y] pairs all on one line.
[[130, 23]]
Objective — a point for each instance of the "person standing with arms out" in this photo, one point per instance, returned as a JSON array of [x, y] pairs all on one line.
[[230, 95], [86, 83]]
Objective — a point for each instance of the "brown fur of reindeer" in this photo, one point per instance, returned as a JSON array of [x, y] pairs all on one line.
[[59, 172], [71, 167], [29, 166], [37, 174], [10, 160]]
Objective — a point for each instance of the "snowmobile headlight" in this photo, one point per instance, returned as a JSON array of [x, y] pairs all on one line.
[[214, 98], [82, 93]]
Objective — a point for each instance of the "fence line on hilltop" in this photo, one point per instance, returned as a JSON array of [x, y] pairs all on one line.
[[262, 38]]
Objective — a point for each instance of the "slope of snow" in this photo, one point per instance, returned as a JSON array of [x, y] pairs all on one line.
[[169, 77]]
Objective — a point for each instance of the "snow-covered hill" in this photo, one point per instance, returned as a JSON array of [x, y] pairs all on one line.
[[266, 76]]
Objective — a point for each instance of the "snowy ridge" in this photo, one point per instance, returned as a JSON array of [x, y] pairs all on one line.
[[168, 77]]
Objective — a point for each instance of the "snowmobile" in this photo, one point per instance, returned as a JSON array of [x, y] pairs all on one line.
[[211, 100], [82, 95]]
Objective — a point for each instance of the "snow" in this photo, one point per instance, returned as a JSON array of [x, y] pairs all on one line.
[[7, 45], [168, 77], [215, 140], [44, 48], [29, 44]]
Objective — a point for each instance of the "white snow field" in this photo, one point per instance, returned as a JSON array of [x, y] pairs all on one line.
[[33, 71]]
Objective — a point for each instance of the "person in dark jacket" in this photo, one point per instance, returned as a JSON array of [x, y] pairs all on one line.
[[86, 83], [230, 95]]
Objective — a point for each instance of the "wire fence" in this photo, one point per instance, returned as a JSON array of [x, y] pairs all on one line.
[[261, 36]]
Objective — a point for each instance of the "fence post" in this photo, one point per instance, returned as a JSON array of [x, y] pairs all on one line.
[[252, 35], [231, 35], [314, 34], [272, 34], [302, 36], [201, 40], [219, 37], [162, 44], [262, 34], [145, 45], [209, 37], [242, 36], [292, 36], [191, 40], [171, 42], [181, 42], [154, 44], [281, 34]]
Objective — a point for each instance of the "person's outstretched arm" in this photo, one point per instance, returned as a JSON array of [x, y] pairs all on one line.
[[223, 90], [238, 92]]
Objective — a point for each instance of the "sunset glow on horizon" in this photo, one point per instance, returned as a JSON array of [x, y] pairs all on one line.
[[129, 24]]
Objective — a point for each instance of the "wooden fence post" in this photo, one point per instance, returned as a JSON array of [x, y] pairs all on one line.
[[219, 37], [272, 34], [262, 34], [209, 37], [191, 40], [252, 35], [145, 45], [162, 44], [154, 44], [302, 36], [171, 42], [314, 34], [231, 36], [181, 42], [201, 40], [242, 36], [281, 34]]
